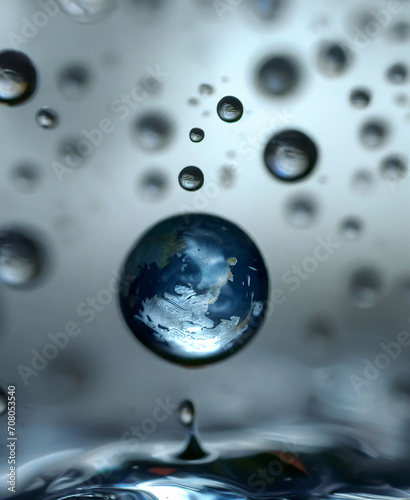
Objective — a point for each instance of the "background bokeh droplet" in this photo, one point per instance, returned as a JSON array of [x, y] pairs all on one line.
[[374, 133], [153, 186], [206, 89], [25, 177], [74, 81], [191, 178], [86, 11], [230, 109], [194, 289], [394, 168], [47, 118], [290, 155], [334, 59], [196, 135], [360, 98], [365, 287], [301, 211], [154, 131], [278, 76], [351, 228], [18, 77], [3, 402], [397, 74], [21, 258]]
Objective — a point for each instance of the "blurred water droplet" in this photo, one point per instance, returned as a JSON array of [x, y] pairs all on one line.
[[301, 211], [227, 176], [47, 118], [365, 287], [230, 109], [21, 258], [74, 150], [196, 134], [266, 10], [3, 402], [86, 11], [319, 336], [397, 74], [394, 168], [374, 133], [351, 228], [206, 89], [186, 413], [290, 155], [362, 182], [334, 60], [74, 81], [193, 101], [401, 99], [191, 178], [154, 131], [25, 177], [399, 31], [153, 186], [278, 76], [360, 98], [18, 77]]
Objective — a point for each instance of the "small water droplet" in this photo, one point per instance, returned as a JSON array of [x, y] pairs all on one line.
[[351, 228], [21, 258], [374, 133], [230, 109], [196, 134], [25, 177], [193, 101], [153, 186], [47, 118], [290, 155], [86, 11], [360, 98], [18, 77], [362, 182], [186, 413], [191, 178], [365, 287], [394, 168], [74, 81], [206, 89], [3, 402], [334, 59], [399, 31], [154, 131], [227, 176], [397, 74], [278, 76], [301, 211]]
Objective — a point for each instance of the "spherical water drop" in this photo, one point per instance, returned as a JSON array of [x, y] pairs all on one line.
[[290, 155], [394, 168], [360, 98], [154, 131], [397, 74], [186, 413], [191, 178], [18, 77], [47, 118], [194, 289], [333, 59], [196, 134], [230, 109], [374, 133], [86, 11], [21, 258], [351, 227], [365, 287], [278, 76]]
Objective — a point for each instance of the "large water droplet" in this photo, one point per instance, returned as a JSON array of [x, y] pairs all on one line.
[[196, 135], [191, 178], [279, 75], [230, 109], [194, 289], [18, 77], [47, 118], [86, 11], [154, 131], [334, 60], [21, 258], [290, 155]]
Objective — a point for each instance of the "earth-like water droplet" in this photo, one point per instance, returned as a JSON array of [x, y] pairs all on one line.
[[334, 59], [194, 289], [191, 178], [374, 133], [278, 76], [230, 109], [47, 118], [21, 258], [196, 134], [397, 74], [86, 11], [360, 98], [154, 131], [290, 155], [18, 77], [365, 287]]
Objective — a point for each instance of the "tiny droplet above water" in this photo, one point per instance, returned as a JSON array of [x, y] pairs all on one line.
[[18, 77], [47, 118], [196, 134], [230, 109], [191, 178], [186, 413]]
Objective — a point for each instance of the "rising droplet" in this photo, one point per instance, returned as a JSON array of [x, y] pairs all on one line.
[[18, 77], [186, 413], [290, 155], [21, 258], [334, 60], [278, 76], [360, 98], [194, 289], [230, 109], [47, 118], [196, 134], [154, 131], [86, 11], [191, 178], [374, 133]]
